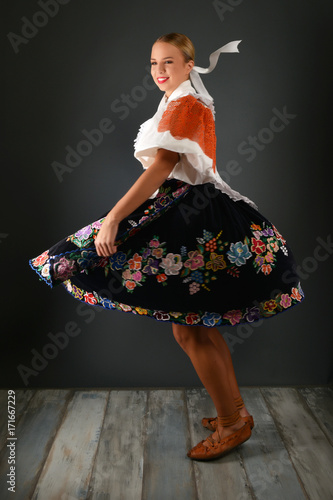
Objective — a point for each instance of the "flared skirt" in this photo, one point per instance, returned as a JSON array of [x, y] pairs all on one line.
[[191, 255]]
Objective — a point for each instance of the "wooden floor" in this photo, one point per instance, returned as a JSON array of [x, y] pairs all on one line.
[[131, 445]]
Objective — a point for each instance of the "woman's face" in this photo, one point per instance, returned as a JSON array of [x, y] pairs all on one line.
[[168, 67]]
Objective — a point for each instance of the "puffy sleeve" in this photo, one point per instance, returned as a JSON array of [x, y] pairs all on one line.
[[187, 127]]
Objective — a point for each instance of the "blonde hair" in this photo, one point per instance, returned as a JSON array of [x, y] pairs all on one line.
[[182, 42]]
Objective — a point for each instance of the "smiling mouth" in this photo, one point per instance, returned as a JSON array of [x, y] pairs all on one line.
[[162, 80]]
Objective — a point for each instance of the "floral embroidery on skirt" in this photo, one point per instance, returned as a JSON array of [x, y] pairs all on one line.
[[191, 256]]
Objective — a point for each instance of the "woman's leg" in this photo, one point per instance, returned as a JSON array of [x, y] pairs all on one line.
[[223, 349], [212, 371]]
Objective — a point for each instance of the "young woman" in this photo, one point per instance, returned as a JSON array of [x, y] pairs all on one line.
[[181, 245]]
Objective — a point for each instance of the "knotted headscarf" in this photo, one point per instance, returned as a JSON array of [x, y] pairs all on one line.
[[213, 58]]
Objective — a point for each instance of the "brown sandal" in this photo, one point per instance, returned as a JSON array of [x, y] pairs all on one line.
[[211, 423], [210, 449]]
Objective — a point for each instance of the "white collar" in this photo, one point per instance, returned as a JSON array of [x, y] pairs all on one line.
[[184, 88]]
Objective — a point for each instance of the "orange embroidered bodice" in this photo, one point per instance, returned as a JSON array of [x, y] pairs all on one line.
[[188, 118]]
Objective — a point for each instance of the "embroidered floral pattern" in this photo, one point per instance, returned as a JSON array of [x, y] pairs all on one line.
[[295, 294], [117, 260], [264, 309], [45, 271], [41, 259], [195, 261], [135, 262], [233, 316], [194, 287], [85, 237], [270, 305], [192, 318], [194, 267], [217, 262], [285, 300], [251, 314], [64, 268], [265, 243], [89, 260], [211, 319], [172, 264], [41, 265], [164, 199], [151, 262], [90, 298], [239, 253], [199, 267]]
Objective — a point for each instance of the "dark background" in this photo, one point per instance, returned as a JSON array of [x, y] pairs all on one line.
[[64, 80]]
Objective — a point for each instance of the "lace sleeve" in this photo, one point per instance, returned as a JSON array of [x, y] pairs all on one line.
[[188, 118]]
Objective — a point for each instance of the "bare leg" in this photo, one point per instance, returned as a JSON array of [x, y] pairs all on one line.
[[212, 371], [223, 349]]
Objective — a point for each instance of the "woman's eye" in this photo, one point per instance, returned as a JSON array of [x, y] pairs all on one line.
[[153, 63]]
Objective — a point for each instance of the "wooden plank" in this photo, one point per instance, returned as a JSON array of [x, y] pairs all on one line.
[[267, 463], [67, 470], [320, 400], [168, 473], [118, 468], [306, 443], [34, 432], [22, 398], [222, 478]]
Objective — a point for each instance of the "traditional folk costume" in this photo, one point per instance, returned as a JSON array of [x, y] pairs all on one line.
[[195, 253]]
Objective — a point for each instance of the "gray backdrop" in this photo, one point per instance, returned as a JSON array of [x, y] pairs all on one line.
[[70, 66]]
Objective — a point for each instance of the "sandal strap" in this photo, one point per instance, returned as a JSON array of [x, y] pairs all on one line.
[[239, 403], [227, 421], [211, 440]]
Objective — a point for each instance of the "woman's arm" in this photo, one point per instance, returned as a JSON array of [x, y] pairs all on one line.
[[142, 189]]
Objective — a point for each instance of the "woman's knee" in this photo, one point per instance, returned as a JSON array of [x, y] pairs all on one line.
[[178, 333], [187, 336]]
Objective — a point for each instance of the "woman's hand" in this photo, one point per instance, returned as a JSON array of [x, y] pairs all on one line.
[[141, 190], [104, 241]]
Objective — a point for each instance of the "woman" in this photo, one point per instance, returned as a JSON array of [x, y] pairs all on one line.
[[185, 246]]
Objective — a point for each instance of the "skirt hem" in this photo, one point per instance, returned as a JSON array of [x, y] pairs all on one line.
[[257, 311]]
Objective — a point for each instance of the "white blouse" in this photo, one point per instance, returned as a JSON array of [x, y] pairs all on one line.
[[195, 166]]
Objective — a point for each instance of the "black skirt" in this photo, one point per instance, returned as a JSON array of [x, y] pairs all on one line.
[[190, 256]]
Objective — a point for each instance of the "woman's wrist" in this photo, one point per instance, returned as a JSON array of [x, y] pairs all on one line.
[[112, 218]]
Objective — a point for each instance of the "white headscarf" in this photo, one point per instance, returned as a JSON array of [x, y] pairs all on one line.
[[213, 58]]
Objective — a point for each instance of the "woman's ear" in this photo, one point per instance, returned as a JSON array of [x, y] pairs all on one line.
[[190, 65]]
